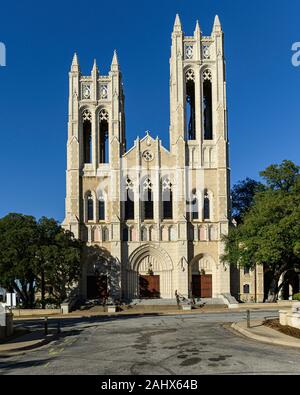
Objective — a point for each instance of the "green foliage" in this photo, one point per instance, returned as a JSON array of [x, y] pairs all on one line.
[[58, 260], [38, 255], [296, 297], [242, 195], [18, 242], [281, 177], [270, 232]]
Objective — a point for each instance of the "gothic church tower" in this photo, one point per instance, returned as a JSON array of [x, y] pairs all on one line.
[[155, 215]]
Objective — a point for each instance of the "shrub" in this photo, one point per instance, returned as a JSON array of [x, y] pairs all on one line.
[[296, 297]]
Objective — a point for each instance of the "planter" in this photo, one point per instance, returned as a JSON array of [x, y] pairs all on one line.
[[186, 307], [112, 309]]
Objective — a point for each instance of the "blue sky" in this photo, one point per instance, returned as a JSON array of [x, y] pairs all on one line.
[[40, 38]]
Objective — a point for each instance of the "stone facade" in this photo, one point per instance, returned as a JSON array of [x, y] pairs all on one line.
[[250, 285], [152, 211]]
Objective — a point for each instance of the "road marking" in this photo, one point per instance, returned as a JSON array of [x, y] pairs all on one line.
[[56, 352]]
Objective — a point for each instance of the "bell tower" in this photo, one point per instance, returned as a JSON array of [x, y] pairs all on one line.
[[199, 139], [96, 137], [197, 89]]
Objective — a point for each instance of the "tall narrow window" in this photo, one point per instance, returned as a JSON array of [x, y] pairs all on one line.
[[246, 288], [87, 136], [207, 105], [167, 199], [147, 199], [144, 235], [129, 202], [90, 207], [101, 209], [190, 105], [194, 206], [206, 206], [105, 234], [103, 137]]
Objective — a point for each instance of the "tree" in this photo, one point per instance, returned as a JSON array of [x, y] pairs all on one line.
[[269, 234], [281, 177], [242, 195], [18, 244], [58, 264], [38, 255]]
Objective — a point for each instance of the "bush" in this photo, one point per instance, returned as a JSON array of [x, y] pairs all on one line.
[[296, 297]]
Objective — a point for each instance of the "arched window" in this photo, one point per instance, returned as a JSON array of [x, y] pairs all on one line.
[[129, 202], [206, 206], [144, 235], [190, 112], [167, 199], [246, 289], [207, 105], [147, 199], [194, 205], [105, 234], [151, 233], [103, 137], [90, 207], [172, 233], [101, 207], [87, 136]]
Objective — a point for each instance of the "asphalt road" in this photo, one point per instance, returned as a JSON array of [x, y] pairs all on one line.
[[186, 344]]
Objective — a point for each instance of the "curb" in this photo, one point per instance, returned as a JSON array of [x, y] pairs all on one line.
[[264, 339], [27, 349]]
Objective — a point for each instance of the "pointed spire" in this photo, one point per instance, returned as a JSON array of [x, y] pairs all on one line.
[[95, 67], [75, 65], [177, 24], [197, 29], [217, 24], [115, 63]]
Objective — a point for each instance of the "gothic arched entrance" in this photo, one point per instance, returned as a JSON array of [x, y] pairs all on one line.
[[202, 275], [149, 274]]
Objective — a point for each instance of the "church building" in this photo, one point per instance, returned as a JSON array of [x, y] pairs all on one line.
[[152, 217]]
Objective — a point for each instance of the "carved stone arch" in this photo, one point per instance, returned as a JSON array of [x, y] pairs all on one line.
[[86, 108], [205, 67], [203, 263], [100, 108], [149, 258], [162, 256], [189, 73]]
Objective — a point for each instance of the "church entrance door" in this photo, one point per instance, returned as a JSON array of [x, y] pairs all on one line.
[[202, 286], [149, 287]]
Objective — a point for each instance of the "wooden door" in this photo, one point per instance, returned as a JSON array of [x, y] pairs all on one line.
[[206, 286], [202, 286], [149, 287]]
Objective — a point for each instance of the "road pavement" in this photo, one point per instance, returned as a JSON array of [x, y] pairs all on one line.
[[175, 344]]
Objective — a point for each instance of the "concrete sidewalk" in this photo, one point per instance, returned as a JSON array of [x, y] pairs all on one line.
[[264, 334], [25, 343]]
